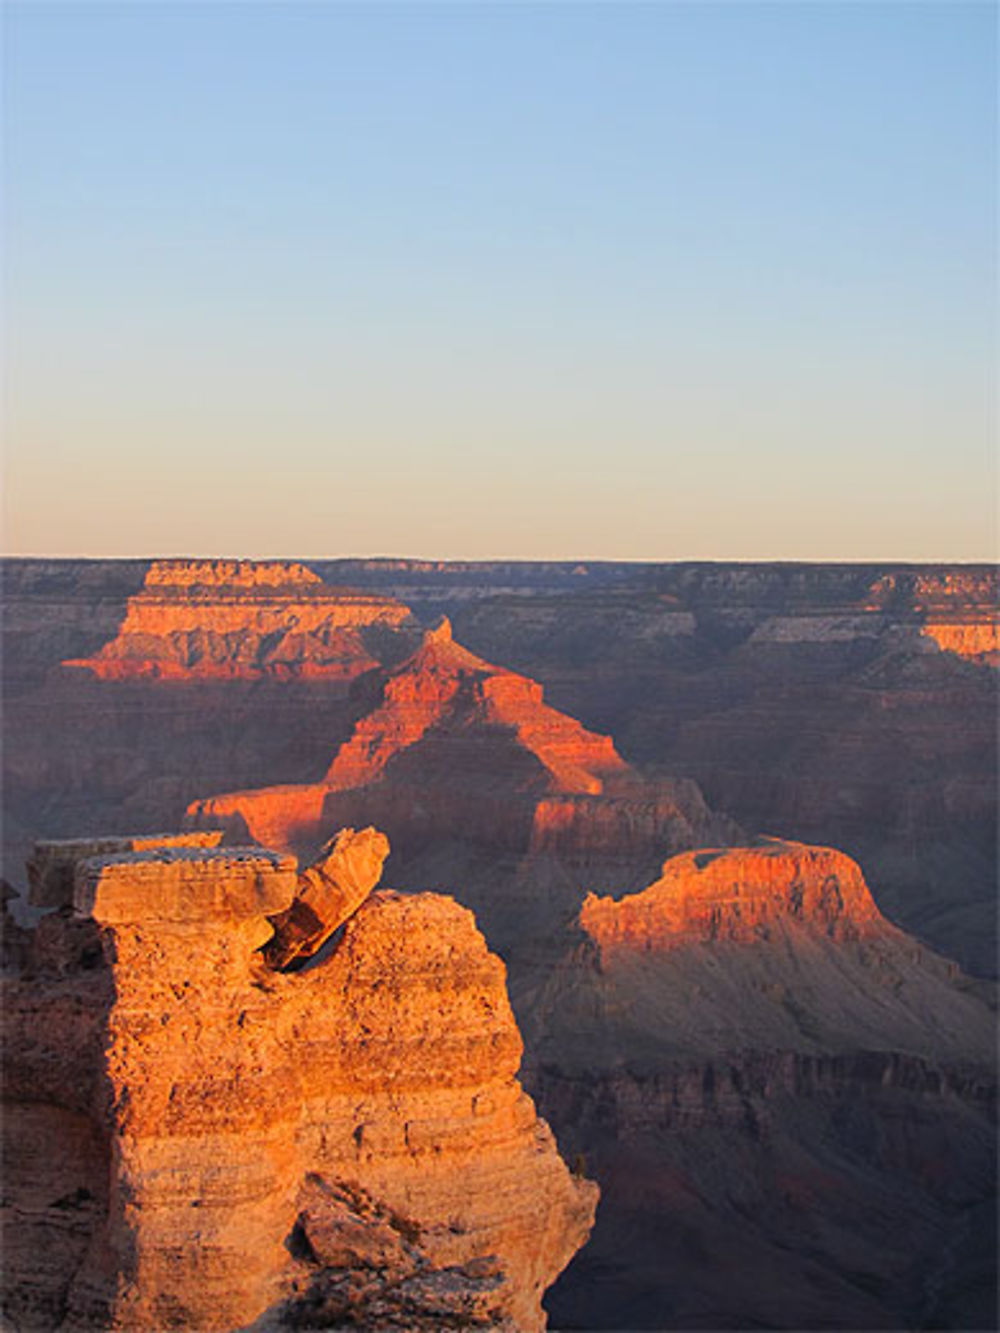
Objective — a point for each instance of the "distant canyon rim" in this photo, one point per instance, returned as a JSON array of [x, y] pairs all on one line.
[[731, 829]]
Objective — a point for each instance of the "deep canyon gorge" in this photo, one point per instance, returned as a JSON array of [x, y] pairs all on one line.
[[725, 835]]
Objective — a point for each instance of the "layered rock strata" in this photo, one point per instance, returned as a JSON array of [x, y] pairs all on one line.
[[741, 893], [52, 865], [451, 746], [790, 1104], [195, 1140], [228, 619]]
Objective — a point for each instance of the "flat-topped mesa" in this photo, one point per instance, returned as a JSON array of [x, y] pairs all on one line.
[[226, 619], [349, 1141], [739, 894], [231, 576]]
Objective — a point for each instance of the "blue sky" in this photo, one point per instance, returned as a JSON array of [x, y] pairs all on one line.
[[654, 281]]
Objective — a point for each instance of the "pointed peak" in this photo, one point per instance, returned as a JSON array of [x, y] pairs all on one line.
[[439, 650], [441, 633]]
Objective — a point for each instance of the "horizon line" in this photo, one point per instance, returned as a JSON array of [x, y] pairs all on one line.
[[519, 559]]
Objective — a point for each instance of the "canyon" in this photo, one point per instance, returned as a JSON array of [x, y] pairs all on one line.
[[775, 1053]]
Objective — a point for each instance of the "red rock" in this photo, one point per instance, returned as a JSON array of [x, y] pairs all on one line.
[[740, 893], [328, 892], [53, 862], [444, 679], [211, 1142], [455, 746], [227, 619]]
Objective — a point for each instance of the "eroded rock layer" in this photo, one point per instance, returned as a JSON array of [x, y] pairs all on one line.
[[228, 619], [789, 1103], [740, 893], [453, 747], [197, 1141]]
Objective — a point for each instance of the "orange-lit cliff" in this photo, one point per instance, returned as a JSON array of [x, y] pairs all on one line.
[[228, 619], [453, 747], [195, 1140], [739, 893]]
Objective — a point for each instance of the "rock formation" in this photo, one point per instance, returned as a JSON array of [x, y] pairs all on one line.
[[194, 1140], [742, 893], [845, 704], [228, 619], [453, 747], [327, 893], [809, 700], [52, 865], [790, 1105]]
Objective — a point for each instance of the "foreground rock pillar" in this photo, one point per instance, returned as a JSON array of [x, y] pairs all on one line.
[[243, 1147], [202, 1128]]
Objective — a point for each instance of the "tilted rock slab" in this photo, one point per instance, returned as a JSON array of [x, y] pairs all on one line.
[[193, 1140], [328, 892]]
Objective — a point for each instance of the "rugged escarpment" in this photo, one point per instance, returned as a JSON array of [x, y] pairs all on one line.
[[243, 620], [846, 704], [789, 1103], [185, 677], [192, 1139], [813, 701], [741, 894], [452, 747]]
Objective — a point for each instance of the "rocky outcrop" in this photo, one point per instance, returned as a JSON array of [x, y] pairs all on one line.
[[228, 619], [52, 865], [443, 679], [195, 1140], [810, 700], [739, 893], [453, 747], [327, 893], [790, 1105]]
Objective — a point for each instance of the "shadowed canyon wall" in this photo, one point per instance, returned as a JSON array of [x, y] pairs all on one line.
[[854, 705], [790, 1105], [812, 701]]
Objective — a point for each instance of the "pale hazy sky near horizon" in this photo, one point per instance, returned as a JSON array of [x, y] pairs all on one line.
[[652, 281]]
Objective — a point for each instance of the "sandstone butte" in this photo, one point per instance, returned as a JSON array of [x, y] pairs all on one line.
[[195, 1140], [501, 763], [738, 894], [232, 620]]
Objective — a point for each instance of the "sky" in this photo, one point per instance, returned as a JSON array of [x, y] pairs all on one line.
[[654, 281]]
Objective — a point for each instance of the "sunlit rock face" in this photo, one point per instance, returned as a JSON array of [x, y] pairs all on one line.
[[453, 747], [848, 705], [741, 893], [228, 619], [788, 1102], [328, 892], [193, 1139]]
